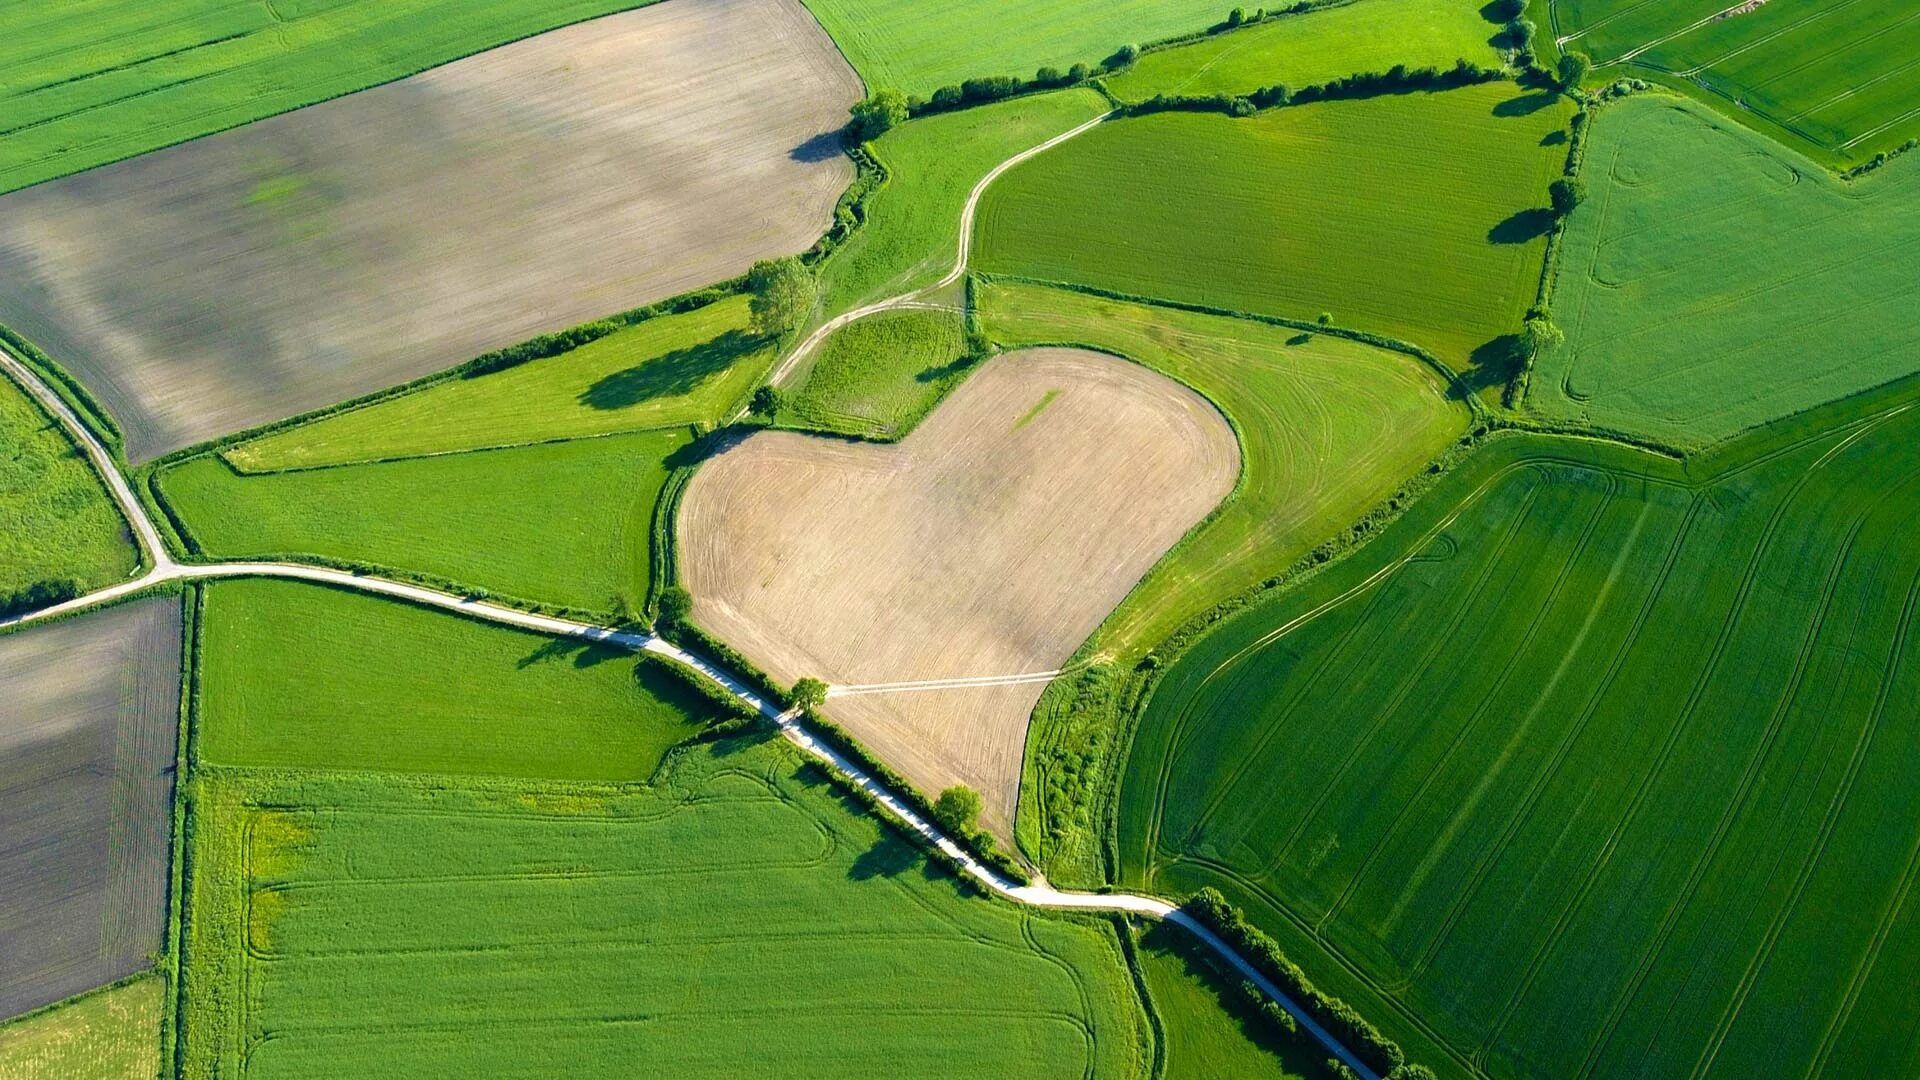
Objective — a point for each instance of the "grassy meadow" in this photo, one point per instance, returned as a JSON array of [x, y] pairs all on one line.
[[59, 520], [1833, 79], [916, 48], [669, 371], [93, 81], [295, 675], [1419, 216], [878, 377], [566, 523], [912, 228], [1593, 764], [1712, 281], [1315, 47], [1209, 1028], [108, 1035]]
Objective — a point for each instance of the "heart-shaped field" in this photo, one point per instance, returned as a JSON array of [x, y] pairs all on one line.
[[989, 543]]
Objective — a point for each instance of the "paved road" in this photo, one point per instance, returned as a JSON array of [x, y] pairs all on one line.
[[163, 569]]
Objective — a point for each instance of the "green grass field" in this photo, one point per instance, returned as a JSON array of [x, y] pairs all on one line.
[[669, 371], [912, 227], [1712, 282], [917, 48], [59, 520], [94, 81], [110, 1035], [1367, 35], [1210, 1031], [295, 675], [1417, 216], [1593, 764], [736, 918], [878, 377], [566, 523], [1836, 78]]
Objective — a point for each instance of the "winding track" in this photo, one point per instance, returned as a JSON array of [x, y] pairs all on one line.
[[164, 569]]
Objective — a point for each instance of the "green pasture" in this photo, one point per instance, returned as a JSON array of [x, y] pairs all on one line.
[[1835, 79], [58, 519], [567, 523], [1417, 216], [668, 371], [1712, 282], [296, 675], [94, 81], [1592, 764], [1316, 47], [738, 917], [916, 47], [108, 1035], [912, 230], [879, 376]]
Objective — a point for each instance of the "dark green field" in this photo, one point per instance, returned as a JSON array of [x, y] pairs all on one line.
[[1592, 765]]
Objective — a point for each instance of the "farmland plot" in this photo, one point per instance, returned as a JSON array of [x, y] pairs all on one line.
[[59, 522], [326, 253], [86, 782], [877, 377], [1836, 79], [1592, 765], [110, 1035], [990, 542], [1713, 282], [1418, 216]]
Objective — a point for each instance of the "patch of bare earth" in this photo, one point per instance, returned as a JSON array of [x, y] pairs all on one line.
[[88, 711], [342, 248], [991, 541]]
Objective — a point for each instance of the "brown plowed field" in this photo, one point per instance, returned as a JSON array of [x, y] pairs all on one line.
[[88, 711], [342, 248], [991, 541]]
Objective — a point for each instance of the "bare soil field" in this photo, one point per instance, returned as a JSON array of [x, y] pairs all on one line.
[[86, 780], [989, 542], [332, 251]]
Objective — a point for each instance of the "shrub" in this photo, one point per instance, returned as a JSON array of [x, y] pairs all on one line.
[[1078, 73], [877, 114], [1048, 76], [989, 88], [1124, 56], [946, 97], [1573, 67], [957, 809], [766, 402], [1520, 34], [676, 604]]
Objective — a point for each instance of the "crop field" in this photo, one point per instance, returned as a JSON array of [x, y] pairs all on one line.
[[326, 253], [990, 542], [296, 675], [94, 81], [877, 377], [86, 781], [1834, 78], [59, 521], [669, 371], [1327, 428], [734, 918], [1420, 216], [916, 48], [1593, 764], [111, 1035], [1315, 47], [1210, 1033], [566, 523], [912, 227], [1676, 331]]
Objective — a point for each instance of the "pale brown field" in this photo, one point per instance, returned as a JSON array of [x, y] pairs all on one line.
[[990, 542], [338, 249]]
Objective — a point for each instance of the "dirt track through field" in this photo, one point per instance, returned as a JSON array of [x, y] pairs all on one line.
[[991, 541], [339, 249]]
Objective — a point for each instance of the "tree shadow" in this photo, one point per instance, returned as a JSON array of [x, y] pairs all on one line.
[[890, 856], [956, 366], [1555, 137], [1300, 338], [711, 444], [1524, 105], [1523, 227], [822, 147], [669, 374], [585, 653], [1200, 967], [1488, 13], [1494, 363]]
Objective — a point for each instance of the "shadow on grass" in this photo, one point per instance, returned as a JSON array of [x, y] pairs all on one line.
[[1300, 338], [888, 857], [956, 366], [1293, 1053], [1525, 104], [1523, 227], [1492, 364], [712, 444], [670, 374], [585, 653], [1556, 137]]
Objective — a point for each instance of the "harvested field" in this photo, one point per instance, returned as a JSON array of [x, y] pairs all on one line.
[[86, 787], [111, 1035], [326, 253], [990, 542]]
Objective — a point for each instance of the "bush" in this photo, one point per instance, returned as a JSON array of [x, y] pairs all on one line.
[[676, 604], [946, 97], [1078, 73], [1124, 56], [1573, 67], [808, 694], [766, 402], [40, 594], [1520, 34], [877, 114], [989, 88], [1048, 76]]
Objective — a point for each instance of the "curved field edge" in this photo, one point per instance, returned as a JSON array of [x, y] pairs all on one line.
[[61, 524]]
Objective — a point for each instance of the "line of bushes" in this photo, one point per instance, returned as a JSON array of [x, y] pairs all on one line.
[[1879, 160], [850, 213], [40, 594], [735, 714], [1398, 79], [687, 635], [1340, 1019]]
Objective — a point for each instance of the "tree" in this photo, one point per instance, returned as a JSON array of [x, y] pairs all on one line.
[[1520, 34], [1122, 57], [877, 114], [957, 809], [1501, 11], [1048, 76], [1326, 318], [808, 694], [1574, 66], [676, 604], [1539, 334], [1236, 17], [766, 402], [782, 294], [1566, 193]]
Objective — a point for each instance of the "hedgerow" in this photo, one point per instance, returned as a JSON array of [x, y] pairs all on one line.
[[1398, 79]]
